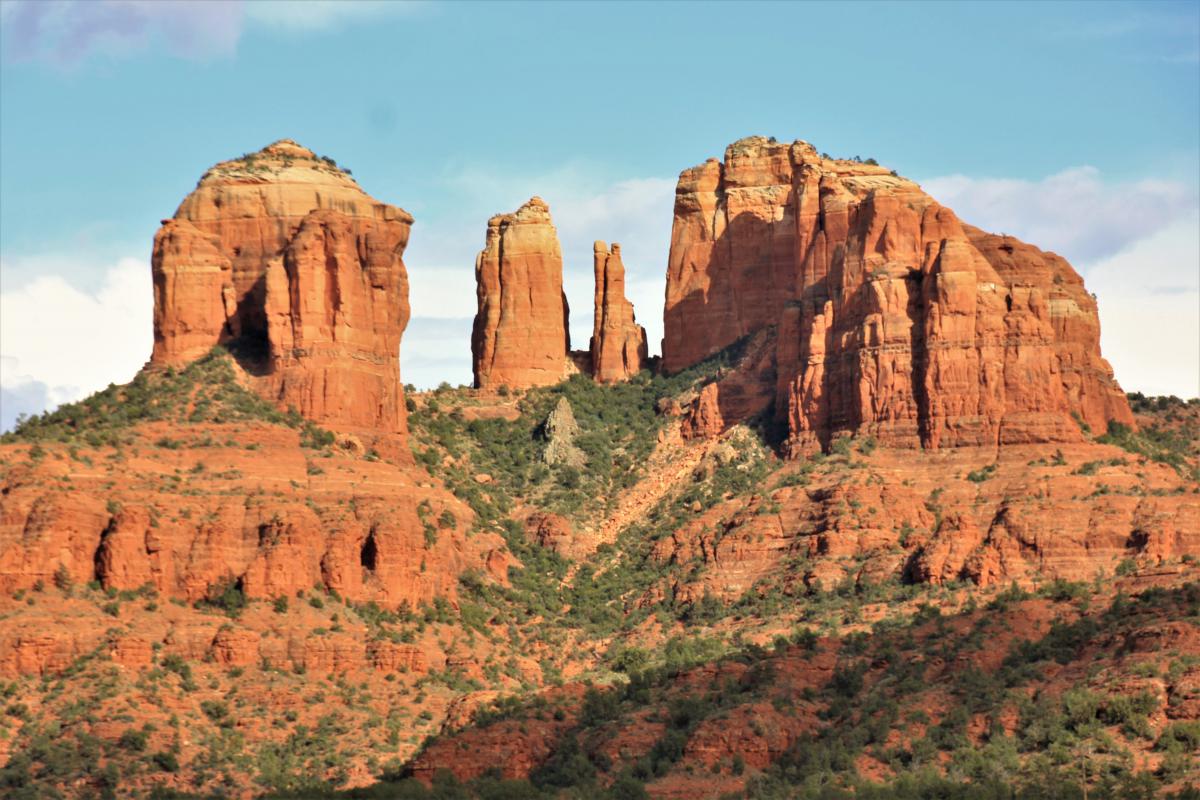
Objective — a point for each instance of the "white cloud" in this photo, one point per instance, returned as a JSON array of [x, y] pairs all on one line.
[[67, 32], [1149, 296], [436, 350], [1136, 243], [59, 343], [1075, 212]]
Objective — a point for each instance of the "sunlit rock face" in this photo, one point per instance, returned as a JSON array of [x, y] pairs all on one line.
[[520, 336], [618, 346], [893, 318], [283, 258]]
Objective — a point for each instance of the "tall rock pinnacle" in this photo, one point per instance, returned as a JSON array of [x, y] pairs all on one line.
[[520, 336], [893, 318], [280, 256], [618, 344]]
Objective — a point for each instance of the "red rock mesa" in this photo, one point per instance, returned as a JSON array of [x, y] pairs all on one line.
[[893, 318]]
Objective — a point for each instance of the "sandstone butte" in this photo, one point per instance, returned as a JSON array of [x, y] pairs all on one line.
[[283, 258], [618, 346], [891, 317], [520, 336]]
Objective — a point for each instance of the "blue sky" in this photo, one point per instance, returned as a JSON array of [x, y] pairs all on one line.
[[1074, 125]]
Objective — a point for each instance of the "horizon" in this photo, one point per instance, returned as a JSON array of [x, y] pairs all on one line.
[[76, 222]]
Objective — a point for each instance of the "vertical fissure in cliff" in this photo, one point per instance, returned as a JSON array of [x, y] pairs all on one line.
[[368, 554], [915, 308]]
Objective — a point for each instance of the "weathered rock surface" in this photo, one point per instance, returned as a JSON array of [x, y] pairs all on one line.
[[560, 431], [894, 319], [282, 257], [274, 520], [740, 393], [618, 344], [520, 336], [1037, 512]]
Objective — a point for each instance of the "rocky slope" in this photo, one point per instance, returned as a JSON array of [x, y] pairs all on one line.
[[520, 336], [281, 257], [893, 318], [973, 695]]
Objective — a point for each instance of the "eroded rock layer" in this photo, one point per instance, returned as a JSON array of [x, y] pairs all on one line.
[[263, 516], [618, 345], [282, 257], [520, 336], [894, 318]]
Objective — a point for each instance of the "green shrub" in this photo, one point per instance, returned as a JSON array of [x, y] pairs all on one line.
[[227, 596], [133, 740]]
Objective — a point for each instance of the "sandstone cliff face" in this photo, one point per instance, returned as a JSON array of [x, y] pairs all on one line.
[[283, 258], [618, 344], [894, 319], [273, 519], [520, 336]]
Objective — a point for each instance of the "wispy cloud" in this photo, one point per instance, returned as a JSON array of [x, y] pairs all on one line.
[[68, 32], [1075, 213], [1150, 310], [1181, 24], [320, 15]]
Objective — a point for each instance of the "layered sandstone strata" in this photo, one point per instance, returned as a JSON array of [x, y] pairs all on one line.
[[893, 318], [520, 336], [282, 257], [618, 345], [362, 528]]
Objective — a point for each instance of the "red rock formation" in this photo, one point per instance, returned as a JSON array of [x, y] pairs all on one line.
[[266, 518], [894, 319], [618, 344], [704, 420], [520, 336], [282, 257], [1033, 513], [739, 394]]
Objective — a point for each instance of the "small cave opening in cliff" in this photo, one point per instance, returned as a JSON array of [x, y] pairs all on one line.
[[1008, 302], [1137, 542], [99, 558], [368, 556]]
